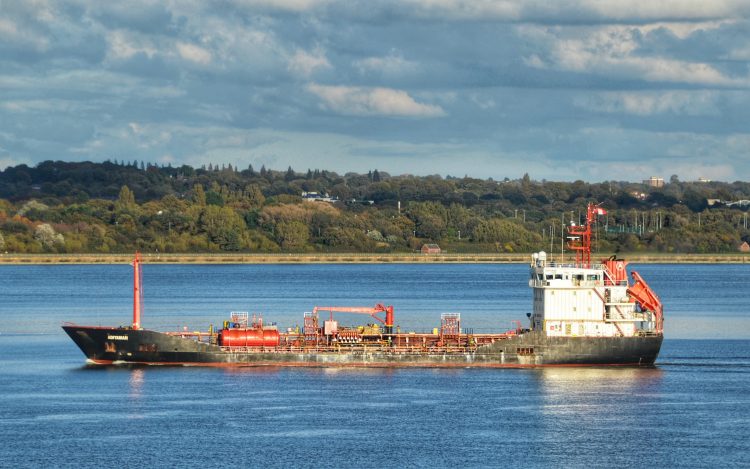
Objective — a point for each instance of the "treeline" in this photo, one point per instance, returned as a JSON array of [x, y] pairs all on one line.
[[121, 206]]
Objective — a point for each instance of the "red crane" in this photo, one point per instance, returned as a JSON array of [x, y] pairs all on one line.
[[378, 308]]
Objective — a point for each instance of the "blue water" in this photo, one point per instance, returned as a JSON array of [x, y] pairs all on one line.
[[692, 410]]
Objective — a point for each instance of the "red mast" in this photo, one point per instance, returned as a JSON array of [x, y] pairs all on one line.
[[579, 236], [137, 291]]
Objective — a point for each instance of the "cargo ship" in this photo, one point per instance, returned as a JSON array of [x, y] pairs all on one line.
[[584, 313]]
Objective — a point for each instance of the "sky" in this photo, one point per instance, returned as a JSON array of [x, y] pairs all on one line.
[[562, 90]]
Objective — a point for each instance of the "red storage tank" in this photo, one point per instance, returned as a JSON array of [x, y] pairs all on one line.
[[249, 338]]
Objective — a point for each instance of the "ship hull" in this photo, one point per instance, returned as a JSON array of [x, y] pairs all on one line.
[[108, 346]]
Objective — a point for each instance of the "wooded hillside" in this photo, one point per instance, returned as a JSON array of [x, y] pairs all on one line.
[[119, 207]]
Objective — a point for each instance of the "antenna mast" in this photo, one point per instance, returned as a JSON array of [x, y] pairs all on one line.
[[579, 236]]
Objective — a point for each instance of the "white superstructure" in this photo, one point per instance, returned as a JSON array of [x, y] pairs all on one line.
[[594, 300]]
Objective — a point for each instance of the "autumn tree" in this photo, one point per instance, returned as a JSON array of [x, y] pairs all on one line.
[[48, 238], [126, 199], [291, 235], [199, 195]]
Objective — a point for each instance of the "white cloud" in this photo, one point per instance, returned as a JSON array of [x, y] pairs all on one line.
[[135, 128], [306, 63], [482, 102], [149, 136], [740, 52], [10, 32], [683, 30], [297, 6], [468, 9], [663, 9], [7, 28], [362, 101], [612, 51], [122, 45], [75, 84], [646, 103], [578, 10], [193, 53], [392, 64]]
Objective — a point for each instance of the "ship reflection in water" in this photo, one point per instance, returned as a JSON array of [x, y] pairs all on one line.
[[598, 396], [135, 382]]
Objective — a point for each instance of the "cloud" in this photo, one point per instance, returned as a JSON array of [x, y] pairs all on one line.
[[148, 16], [647, 103], [305, 63], [740, 53], [615, 51], [482, 102], [574, 11], [11, 33], [564, 89], [193, 53], [359, 101], [392, 64], [295, 6], [123, 45]]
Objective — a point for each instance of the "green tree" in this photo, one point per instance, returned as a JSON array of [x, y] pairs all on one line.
[[291, 235], [223, 227], [290, 175]]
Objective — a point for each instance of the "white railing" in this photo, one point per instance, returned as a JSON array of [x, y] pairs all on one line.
[[569, 265], [560, 282]]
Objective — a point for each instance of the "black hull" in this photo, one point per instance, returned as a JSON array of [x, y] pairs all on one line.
[[107, 346]]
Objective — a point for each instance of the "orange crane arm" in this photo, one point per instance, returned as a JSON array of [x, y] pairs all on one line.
[[646, 297], [378, 308]]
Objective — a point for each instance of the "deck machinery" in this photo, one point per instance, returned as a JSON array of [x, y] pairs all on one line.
[[240, 334]]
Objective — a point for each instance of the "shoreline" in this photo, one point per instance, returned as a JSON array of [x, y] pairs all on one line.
[[352, 258]]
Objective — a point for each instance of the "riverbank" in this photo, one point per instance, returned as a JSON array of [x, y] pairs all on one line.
[[353, 258]]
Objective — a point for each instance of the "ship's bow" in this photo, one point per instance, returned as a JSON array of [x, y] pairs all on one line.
[[93, 341]]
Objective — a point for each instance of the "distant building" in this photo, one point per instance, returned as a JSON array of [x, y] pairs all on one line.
[[739, 203], [654, 181], [744, 247], [431, 249], [712, 202], [703, 180], [315, 197], [360, 202]]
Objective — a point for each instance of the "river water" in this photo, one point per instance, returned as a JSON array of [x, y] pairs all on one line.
[[692, 409]]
